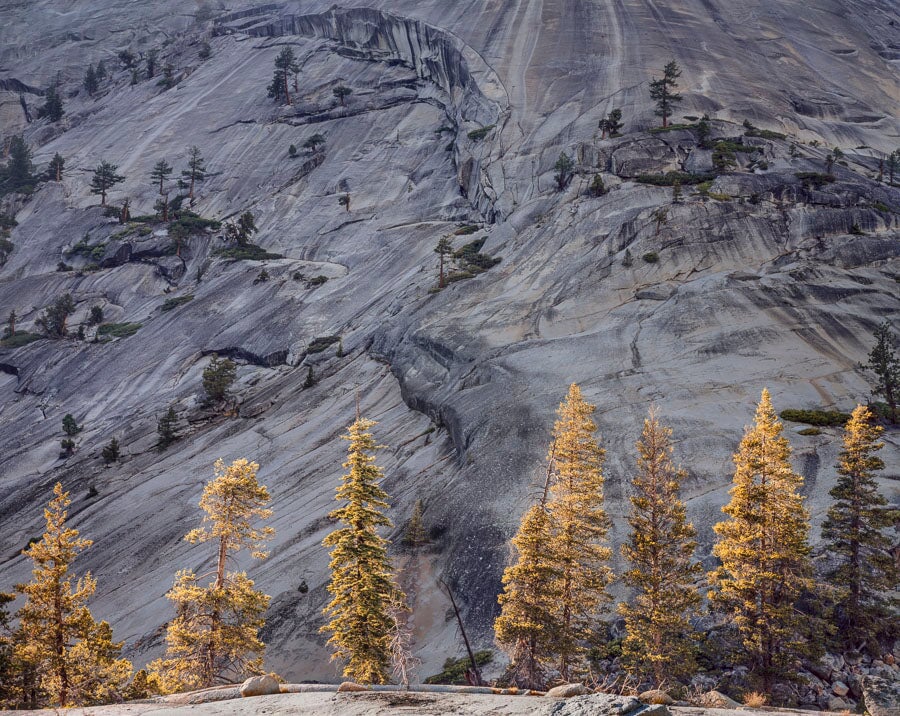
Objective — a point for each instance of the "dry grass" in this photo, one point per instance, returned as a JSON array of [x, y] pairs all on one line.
[[755, 700]]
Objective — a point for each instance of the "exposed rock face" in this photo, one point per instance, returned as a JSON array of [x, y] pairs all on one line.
[[260, 686], [758, 282], [882, 695]]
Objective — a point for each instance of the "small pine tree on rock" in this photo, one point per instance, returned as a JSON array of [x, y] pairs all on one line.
[[866, 573], [342, 92], [285, 65], [104, 178], [218, 376], [90, 82], [444, 248], [10, 329], [662, 91], [196, 170], [362, 584], [55, 168], [885, 366], [52, 108], [659, 644], [110, 452], [415, 535], [214, 637], [19, 172], [612, 124], [310, 378], [70, 425], [55, 317], [166, 427], [563, 171], [73, 658], [160, 174], [764, 550]]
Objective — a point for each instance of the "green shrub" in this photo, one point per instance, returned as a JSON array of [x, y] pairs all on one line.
[[193, 223], [321, 343], [671, 178], [651, 257], [809, 431], [764, 133], [671, 128], [172, 303], [218, 375], [825, 418], [317, 280], [719, 197], [882, 207], [471, 261], [466, 230], [19, 339], [455, 669], [118, 330], [477, 135], [250, 252], [814, 179], [856, 231]]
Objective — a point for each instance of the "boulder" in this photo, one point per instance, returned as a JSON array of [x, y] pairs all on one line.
[[656, 696], [604, 705], [717, 700], [839, 688], [882, 697], [567, 691], [260, 686], [836, 703], [350, 687]]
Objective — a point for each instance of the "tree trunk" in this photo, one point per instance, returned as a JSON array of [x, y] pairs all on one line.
[[287, 95], [442, 270]]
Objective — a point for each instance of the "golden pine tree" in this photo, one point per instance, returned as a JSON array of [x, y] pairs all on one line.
[[578, 529], [764, 553], [362, 583], [660, 643], [66, 657], [524, 627], [214, 637], [866, 573]]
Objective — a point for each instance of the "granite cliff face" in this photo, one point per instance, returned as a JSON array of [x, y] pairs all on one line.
[[763, 280]]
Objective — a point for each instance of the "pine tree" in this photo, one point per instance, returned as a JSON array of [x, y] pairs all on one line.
[[342, 92], [19, 171], [362, 583], [91, 81], [218, 376], [10, 329], [166, 427], [8, 671], [160, 173], [196, 170], [885, 365], [52, 108], [676, 192], [415, 535], [563, 171], [214, 637], [662, 91], [660, 642], [524, 628], [55, 168], [285, 65], [579, 527], [104, 179], [110, 452], [866, 572], [612, 123], [764, 553], [73, 657], [152, 57], [444, 248], [893, 164]]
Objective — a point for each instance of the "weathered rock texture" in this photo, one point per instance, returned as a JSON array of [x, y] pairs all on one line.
[[766, 281]]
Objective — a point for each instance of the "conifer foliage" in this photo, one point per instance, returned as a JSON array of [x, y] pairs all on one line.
[[659, 643], [764, 553], [362, 584], [214, 637], [866, 572], [67, 658], [104, 178], [285, 66], [524, 627], [662, 91], [579, 527]]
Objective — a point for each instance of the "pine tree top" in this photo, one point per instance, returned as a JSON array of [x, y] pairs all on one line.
[[231, 501]]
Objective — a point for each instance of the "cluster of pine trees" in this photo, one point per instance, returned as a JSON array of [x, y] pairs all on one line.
[[555, 594], [773, 611]]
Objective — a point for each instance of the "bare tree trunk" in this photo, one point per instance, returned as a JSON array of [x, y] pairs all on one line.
[[462, 630]]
